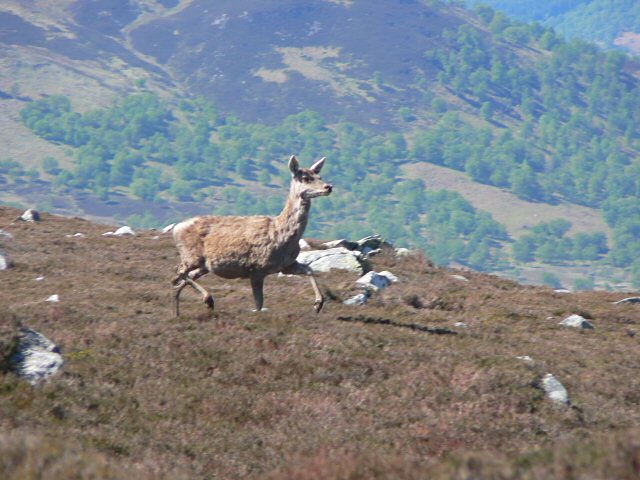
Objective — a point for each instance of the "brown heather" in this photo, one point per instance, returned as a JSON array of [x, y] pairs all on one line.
[[379, 391]]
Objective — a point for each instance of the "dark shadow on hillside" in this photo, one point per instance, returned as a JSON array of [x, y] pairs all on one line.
[[386, 321]]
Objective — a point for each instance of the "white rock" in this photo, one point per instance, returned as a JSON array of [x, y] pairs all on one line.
[[460, 277], [460, 324], [576, 321], [124, 231], [30, 216], [555, 390], [392, 278], [525, 358], [53, 298], [370, 251], [402, 252], [35, 357], [372, 242], [5, 263], [359, 299], [5, 234], [77, 235], [341, 243], [374, 281], [39, 279], [562, 290], [333, 258], [107, 234], [627, 300], [304, 245], [168, 228]]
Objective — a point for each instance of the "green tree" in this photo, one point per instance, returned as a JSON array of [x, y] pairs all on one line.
[[551, 279], [50, 165]]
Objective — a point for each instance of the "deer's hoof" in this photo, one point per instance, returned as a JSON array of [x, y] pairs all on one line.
[[208, 300], [318, 305]]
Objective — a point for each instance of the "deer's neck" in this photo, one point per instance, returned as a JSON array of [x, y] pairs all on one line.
[[292, 221]]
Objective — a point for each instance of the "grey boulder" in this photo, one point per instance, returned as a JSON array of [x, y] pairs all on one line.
[[35, 358], [576, 321], [333, 258]]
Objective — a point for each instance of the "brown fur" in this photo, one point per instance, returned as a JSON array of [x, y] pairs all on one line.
[[250, 247]]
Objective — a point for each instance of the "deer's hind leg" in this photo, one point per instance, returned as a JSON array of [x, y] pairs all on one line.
[[186, 277], [302, 269]]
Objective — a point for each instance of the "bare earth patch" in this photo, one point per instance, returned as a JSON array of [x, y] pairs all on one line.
[[311, 62], [630, 41]]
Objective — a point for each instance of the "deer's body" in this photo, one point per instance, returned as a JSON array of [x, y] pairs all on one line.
[[250, 247]]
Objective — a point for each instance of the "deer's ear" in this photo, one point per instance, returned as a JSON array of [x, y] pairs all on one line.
[[293, 164], [316, 167]]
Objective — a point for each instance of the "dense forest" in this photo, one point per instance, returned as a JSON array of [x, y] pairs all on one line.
[[559, 123]]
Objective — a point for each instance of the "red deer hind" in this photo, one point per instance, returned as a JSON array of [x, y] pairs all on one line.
[[250, 247]]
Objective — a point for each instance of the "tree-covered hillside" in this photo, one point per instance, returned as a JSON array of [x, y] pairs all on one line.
[[191, 153], [532, 9], [600, 21]]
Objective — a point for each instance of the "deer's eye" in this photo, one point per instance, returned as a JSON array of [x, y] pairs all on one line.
[[304, 177]]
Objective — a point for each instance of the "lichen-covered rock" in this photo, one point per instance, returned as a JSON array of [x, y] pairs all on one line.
[[35, 358], [555, 390], [333, 258], [576, 321]]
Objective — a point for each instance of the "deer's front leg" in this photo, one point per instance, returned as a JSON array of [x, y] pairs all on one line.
[[302, 269], [256, 286]]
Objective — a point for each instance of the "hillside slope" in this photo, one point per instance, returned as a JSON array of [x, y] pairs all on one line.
[[381, 390]]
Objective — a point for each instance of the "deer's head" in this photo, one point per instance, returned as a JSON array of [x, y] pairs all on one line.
[[306, 182]]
